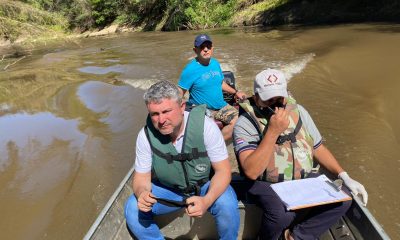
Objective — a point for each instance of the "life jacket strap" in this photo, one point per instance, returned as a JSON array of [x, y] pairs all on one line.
[[196, 188], [181, 157], [195, 154], [252, 121]]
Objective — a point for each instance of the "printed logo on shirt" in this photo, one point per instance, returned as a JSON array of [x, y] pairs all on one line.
[[210, 74], [301, 155], [239, 141], [200, 168], [206, 76]]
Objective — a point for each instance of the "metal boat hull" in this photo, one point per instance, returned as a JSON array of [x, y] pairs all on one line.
[[110, 224]]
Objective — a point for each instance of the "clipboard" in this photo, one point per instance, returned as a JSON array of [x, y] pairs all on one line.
[[309, 192]]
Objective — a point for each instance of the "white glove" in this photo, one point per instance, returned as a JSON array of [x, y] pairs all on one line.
[[354, 186]]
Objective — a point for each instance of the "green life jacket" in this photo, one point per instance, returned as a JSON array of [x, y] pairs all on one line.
[[293, 156], [186, 171]]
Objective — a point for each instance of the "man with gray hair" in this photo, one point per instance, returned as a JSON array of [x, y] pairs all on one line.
[[175, 152]]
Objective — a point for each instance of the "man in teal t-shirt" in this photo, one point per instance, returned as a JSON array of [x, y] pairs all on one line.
[[203, 78]]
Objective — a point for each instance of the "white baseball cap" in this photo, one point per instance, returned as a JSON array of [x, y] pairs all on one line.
[[270, 83]]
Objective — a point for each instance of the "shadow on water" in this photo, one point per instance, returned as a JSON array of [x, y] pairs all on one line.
[[65, 141]]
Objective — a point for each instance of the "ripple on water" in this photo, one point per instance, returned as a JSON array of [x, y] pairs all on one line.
[[143, 84], [297, 66], [102, 70]]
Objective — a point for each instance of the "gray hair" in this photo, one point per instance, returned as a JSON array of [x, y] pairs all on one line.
[[160, 91]]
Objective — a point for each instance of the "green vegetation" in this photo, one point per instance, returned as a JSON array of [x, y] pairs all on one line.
[[25, 22], [250, 15], [209, 14], [24, 19]]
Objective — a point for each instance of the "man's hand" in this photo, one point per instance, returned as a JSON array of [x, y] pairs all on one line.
[[279, 122], [241, 96], [355, 187], [197, 206], [146, 201]]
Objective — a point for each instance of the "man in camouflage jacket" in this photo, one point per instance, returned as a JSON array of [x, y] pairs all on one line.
[[276, 140]]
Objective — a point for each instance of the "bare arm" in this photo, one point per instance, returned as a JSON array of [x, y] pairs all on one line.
[[218, 185], [231, 90], [182, 91], [141, 184], [227, 88], [254, 162], [327, 160], [219, 181]]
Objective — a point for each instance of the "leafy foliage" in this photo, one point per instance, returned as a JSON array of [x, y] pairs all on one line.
[[105, 11], [19, 19], [206, 14], [78, 13], [171, 15]]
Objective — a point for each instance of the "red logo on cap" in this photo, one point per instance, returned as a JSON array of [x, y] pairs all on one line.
[[272, 78]]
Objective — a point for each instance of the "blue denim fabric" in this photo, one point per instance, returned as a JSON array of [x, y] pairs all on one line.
[[224, 210]]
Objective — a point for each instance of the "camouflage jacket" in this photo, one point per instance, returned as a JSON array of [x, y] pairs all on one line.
[[293, 156]]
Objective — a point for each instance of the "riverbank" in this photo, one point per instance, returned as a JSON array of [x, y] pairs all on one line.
[[274, 13], [24, 26]]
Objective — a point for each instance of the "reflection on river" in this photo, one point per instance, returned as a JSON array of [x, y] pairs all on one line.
[[69, 114]]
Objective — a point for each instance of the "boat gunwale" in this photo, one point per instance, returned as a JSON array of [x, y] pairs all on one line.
[[108, 206], [102, 216], [375, 224]]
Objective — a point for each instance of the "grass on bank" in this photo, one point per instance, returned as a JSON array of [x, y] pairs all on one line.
[[249, 14], [34, 19], [22, 22]]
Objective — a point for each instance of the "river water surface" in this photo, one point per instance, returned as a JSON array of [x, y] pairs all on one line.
[[70, 113]]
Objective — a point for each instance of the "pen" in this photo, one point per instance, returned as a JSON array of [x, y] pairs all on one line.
[[333, 185]]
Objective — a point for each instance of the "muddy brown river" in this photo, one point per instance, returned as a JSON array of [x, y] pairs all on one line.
[[70, 112]]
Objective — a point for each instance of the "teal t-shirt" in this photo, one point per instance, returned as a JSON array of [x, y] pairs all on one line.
[[204, 84]]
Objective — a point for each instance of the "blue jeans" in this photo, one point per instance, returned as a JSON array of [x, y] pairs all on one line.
[[224, 210]]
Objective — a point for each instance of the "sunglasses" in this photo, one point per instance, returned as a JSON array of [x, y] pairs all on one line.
[[205, 45]]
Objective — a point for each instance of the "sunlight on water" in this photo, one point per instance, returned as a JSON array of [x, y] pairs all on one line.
[[143, 84], [102, 70], [231, 66]]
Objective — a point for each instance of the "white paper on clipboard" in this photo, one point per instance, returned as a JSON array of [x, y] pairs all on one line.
[[308, 192]]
